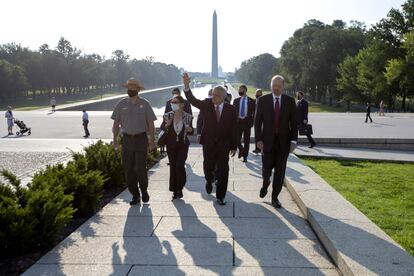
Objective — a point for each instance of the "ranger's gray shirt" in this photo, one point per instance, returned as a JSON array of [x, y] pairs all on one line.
[[134, 118]]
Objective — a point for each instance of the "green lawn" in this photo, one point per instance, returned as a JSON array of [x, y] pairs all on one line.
[[251, 90], [38, 103], [383, 191], [318, 107]]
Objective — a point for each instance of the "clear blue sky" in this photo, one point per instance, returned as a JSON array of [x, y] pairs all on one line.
[[176, 31]]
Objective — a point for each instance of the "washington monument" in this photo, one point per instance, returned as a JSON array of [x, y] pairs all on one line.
[[214, 58]]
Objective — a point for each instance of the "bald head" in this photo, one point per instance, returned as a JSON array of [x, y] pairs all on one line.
[[277, 85]]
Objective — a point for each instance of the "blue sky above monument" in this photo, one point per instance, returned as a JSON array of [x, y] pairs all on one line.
[[178, 31]]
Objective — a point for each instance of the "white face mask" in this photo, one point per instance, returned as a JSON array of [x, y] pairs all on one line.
[[175, 107]]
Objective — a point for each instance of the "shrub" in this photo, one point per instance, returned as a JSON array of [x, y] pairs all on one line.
[[30, 218], [85, 186], [102, 157]]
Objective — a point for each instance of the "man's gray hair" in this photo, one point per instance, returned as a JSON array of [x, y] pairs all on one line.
[[278, 77], [221, 89]]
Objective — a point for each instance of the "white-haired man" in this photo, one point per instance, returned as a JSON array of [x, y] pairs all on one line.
[[218, 136], [276, 135]]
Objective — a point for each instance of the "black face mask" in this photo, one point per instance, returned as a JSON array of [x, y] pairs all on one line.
[[132, 93], [257, 97], [241, 94]]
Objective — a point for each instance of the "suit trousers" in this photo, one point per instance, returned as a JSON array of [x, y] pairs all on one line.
[[217, 157], [243, 130], [177, 156], [276, 160], [134, 162]]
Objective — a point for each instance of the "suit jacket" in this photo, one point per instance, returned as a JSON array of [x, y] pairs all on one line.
[[302, 111], [213, 133], [171, 138], [264, 125], [251, 106], [200, 123], [187, 107]]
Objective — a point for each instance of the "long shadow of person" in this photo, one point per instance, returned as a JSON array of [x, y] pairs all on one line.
[[271, 238], [140, 249], [206, 249]]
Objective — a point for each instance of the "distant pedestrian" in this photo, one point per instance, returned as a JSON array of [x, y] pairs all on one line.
[[245, 106], [368, 115], [53, 104], [302, 110], [228, 98], [85, 122], [259, 93], [10, 119], [177, 92], [381, 109]]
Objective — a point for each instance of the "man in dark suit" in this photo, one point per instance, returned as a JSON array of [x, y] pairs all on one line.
[[276, 135], [187, 105], [302, 110], [368, 115], [218, 136], [245, 107], [200, 120], [259, 93]]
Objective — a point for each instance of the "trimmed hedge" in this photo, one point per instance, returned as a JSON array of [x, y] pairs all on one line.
[[30, 218], [85, 186], [101, 156]]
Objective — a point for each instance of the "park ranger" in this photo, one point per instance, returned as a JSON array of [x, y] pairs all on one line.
[[135, 117]]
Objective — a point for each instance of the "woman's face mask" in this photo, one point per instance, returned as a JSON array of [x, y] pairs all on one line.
[[175, 106]]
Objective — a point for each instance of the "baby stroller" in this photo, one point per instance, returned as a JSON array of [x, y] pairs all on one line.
[[23, 128]]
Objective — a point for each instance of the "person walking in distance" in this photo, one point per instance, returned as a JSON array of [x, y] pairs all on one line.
[[85, 122], [136, 118], [53, 104], [246, 108], [302, 110], [368, 114], [259, 93], [10, 120], [276, 135]]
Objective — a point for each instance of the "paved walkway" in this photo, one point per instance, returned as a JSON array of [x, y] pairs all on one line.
[[354, 153], [194, 236]]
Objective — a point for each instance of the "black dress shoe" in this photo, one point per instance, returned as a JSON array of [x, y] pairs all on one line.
[[244, 160], [145, 196], [180, 194], [240, 154], [311, 146], [134, 201], [276, 203], [263, 190], [209, 187], [221, 201]]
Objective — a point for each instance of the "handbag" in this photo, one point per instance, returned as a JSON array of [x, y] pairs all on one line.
[[305, 129], [162, 137]]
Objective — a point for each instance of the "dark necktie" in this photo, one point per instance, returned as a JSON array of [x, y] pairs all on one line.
[[277, 115], [218, 113]]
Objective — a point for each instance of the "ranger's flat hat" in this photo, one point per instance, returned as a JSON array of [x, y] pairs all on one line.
[[133, 84]]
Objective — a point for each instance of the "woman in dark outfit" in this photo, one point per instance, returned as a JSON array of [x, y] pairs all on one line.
[[177, 124]]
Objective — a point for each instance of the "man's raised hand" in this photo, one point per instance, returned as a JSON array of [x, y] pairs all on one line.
[[186, 80]]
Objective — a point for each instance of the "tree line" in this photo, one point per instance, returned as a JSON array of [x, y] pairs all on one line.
[[340, 63], [66, 70]]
